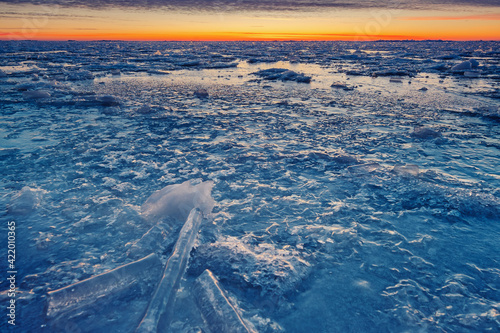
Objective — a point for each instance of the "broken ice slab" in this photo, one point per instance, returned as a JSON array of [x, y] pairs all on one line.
[[157, 314], [80, 294], [219, 314], [422, 132], [363, 168], [341, 85], [406, 170], [178, 200], [283, 75], [473, 74], [155, 239], [25, 201], [396, 80], [36, 94], [249, 263]]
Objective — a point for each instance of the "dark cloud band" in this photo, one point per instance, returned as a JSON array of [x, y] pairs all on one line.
[[265, 5]]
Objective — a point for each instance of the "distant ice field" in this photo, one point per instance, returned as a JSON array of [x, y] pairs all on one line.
[[355, 184]]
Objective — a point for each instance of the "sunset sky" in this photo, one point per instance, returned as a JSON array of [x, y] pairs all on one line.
[[249, 20]]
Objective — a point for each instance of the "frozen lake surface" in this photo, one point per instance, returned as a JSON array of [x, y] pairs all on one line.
[[344, 186]]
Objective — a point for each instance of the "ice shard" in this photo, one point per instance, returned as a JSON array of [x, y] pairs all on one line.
[[75, 296], [157, 315], [219, 314]]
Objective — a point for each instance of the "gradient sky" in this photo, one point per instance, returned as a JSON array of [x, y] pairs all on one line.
[[249, 19]]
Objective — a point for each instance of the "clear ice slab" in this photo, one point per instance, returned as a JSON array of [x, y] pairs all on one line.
[[220, 315], [78, 295], [157, 315]]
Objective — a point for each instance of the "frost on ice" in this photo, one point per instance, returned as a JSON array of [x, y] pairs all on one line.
[[178, 200]]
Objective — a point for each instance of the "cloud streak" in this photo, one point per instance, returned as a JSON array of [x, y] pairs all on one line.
[[264, 5], [487, 17]]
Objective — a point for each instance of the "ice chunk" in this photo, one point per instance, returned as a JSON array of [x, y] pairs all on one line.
[[220, 315], [189, 63], [201, 93], [406, 170], [396, 80], [282, 75], [341, 85], [25, 201], [145, 109], [425, 133], [36, 94], [466, 65], [363, 168], [25, 86], [391, 72], [472, 74], [80, 294], [474, 63], [438, 67], [345, 159], [246, 263], [161, 304], [108, 100], [178, 200]]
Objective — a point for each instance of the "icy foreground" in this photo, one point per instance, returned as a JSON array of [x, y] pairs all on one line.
[[363, 200]]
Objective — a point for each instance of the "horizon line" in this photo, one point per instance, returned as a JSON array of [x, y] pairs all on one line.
[[360, 39]]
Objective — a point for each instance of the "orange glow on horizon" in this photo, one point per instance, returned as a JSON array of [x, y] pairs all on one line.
[[243, 36]]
